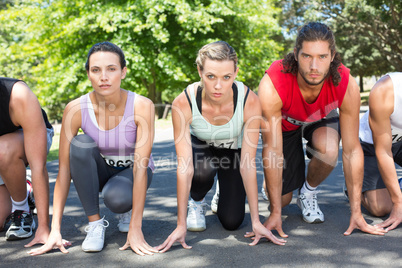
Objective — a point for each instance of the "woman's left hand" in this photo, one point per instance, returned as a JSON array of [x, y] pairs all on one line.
[[259, 231], [136, 241]]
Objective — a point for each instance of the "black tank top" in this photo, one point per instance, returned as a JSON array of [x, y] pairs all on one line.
[[6, 125]]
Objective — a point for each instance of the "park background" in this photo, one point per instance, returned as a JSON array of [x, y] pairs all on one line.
[[45, 43]]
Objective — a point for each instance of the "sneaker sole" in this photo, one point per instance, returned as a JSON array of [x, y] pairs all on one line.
[[123, 229], [91, 250], [195, 229], [313, 222], [14, 237]]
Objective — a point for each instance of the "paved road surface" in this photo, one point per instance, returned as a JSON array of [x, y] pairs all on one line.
[[309, 245]]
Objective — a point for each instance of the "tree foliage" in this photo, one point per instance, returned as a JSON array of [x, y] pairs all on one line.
[[46, 42], [368, 32]]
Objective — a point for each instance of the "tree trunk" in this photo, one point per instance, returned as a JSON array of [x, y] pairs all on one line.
[[159, 106], [151, 92], [361, 83], [154, 95]]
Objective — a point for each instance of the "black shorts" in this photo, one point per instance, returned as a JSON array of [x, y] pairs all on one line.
[[372, 177], [294, 166]]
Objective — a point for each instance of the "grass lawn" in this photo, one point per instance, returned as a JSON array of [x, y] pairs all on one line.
[[364, 97], [54, 150]]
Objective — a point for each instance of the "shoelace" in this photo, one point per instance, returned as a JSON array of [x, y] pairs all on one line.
[[95, 231], [193, 206], [312, 196], [16, 217]]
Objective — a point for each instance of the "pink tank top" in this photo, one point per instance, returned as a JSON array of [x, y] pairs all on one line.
[[116, 145]]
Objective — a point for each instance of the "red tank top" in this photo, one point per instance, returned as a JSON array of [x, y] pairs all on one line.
[[295, 110]]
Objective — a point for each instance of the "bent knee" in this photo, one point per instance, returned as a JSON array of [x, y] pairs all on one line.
[[378, 208], [231, 226], [118, 195], [286, 199], [231, 223], [81, 146], [8, 153], [4, 155], [328, 155], [117, 203]]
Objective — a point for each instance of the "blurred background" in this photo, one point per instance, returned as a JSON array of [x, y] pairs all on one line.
[[45, 43]]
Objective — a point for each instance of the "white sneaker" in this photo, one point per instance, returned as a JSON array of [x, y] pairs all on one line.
[[214, 203], [215, 199], [95, 238], [124, 222], [30, 194], [264, 194], [307, 202], [22, 225], [196, 215], [345, 191]]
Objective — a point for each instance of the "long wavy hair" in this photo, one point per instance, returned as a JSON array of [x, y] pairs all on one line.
[[314, 31]]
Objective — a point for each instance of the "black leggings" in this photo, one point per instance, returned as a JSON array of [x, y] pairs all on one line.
[[207, 161], [91, 175]]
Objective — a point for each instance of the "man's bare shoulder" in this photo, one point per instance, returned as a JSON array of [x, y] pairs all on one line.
[[381, 97], [268, 94], [21, 94]]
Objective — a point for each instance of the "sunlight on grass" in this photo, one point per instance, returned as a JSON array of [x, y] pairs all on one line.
[[54, 150], [161, 124]]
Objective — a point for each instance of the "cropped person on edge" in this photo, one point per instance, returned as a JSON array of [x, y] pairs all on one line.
[[25, 138], [300, 96], [113, 155], [216, 126], [381, 139]]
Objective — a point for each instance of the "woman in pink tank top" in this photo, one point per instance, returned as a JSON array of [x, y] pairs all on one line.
[[106, 157]]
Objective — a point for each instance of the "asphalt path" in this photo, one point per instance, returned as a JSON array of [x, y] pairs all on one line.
[[308, 245]]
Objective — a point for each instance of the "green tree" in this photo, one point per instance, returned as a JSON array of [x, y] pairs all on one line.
[[4, 3], [46, 42], [368, 32]]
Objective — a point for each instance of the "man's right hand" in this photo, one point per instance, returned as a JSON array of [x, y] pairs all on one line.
[[274, 222], [394, 219]]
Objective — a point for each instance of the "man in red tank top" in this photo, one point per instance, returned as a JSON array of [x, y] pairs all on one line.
[[300, 96]]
